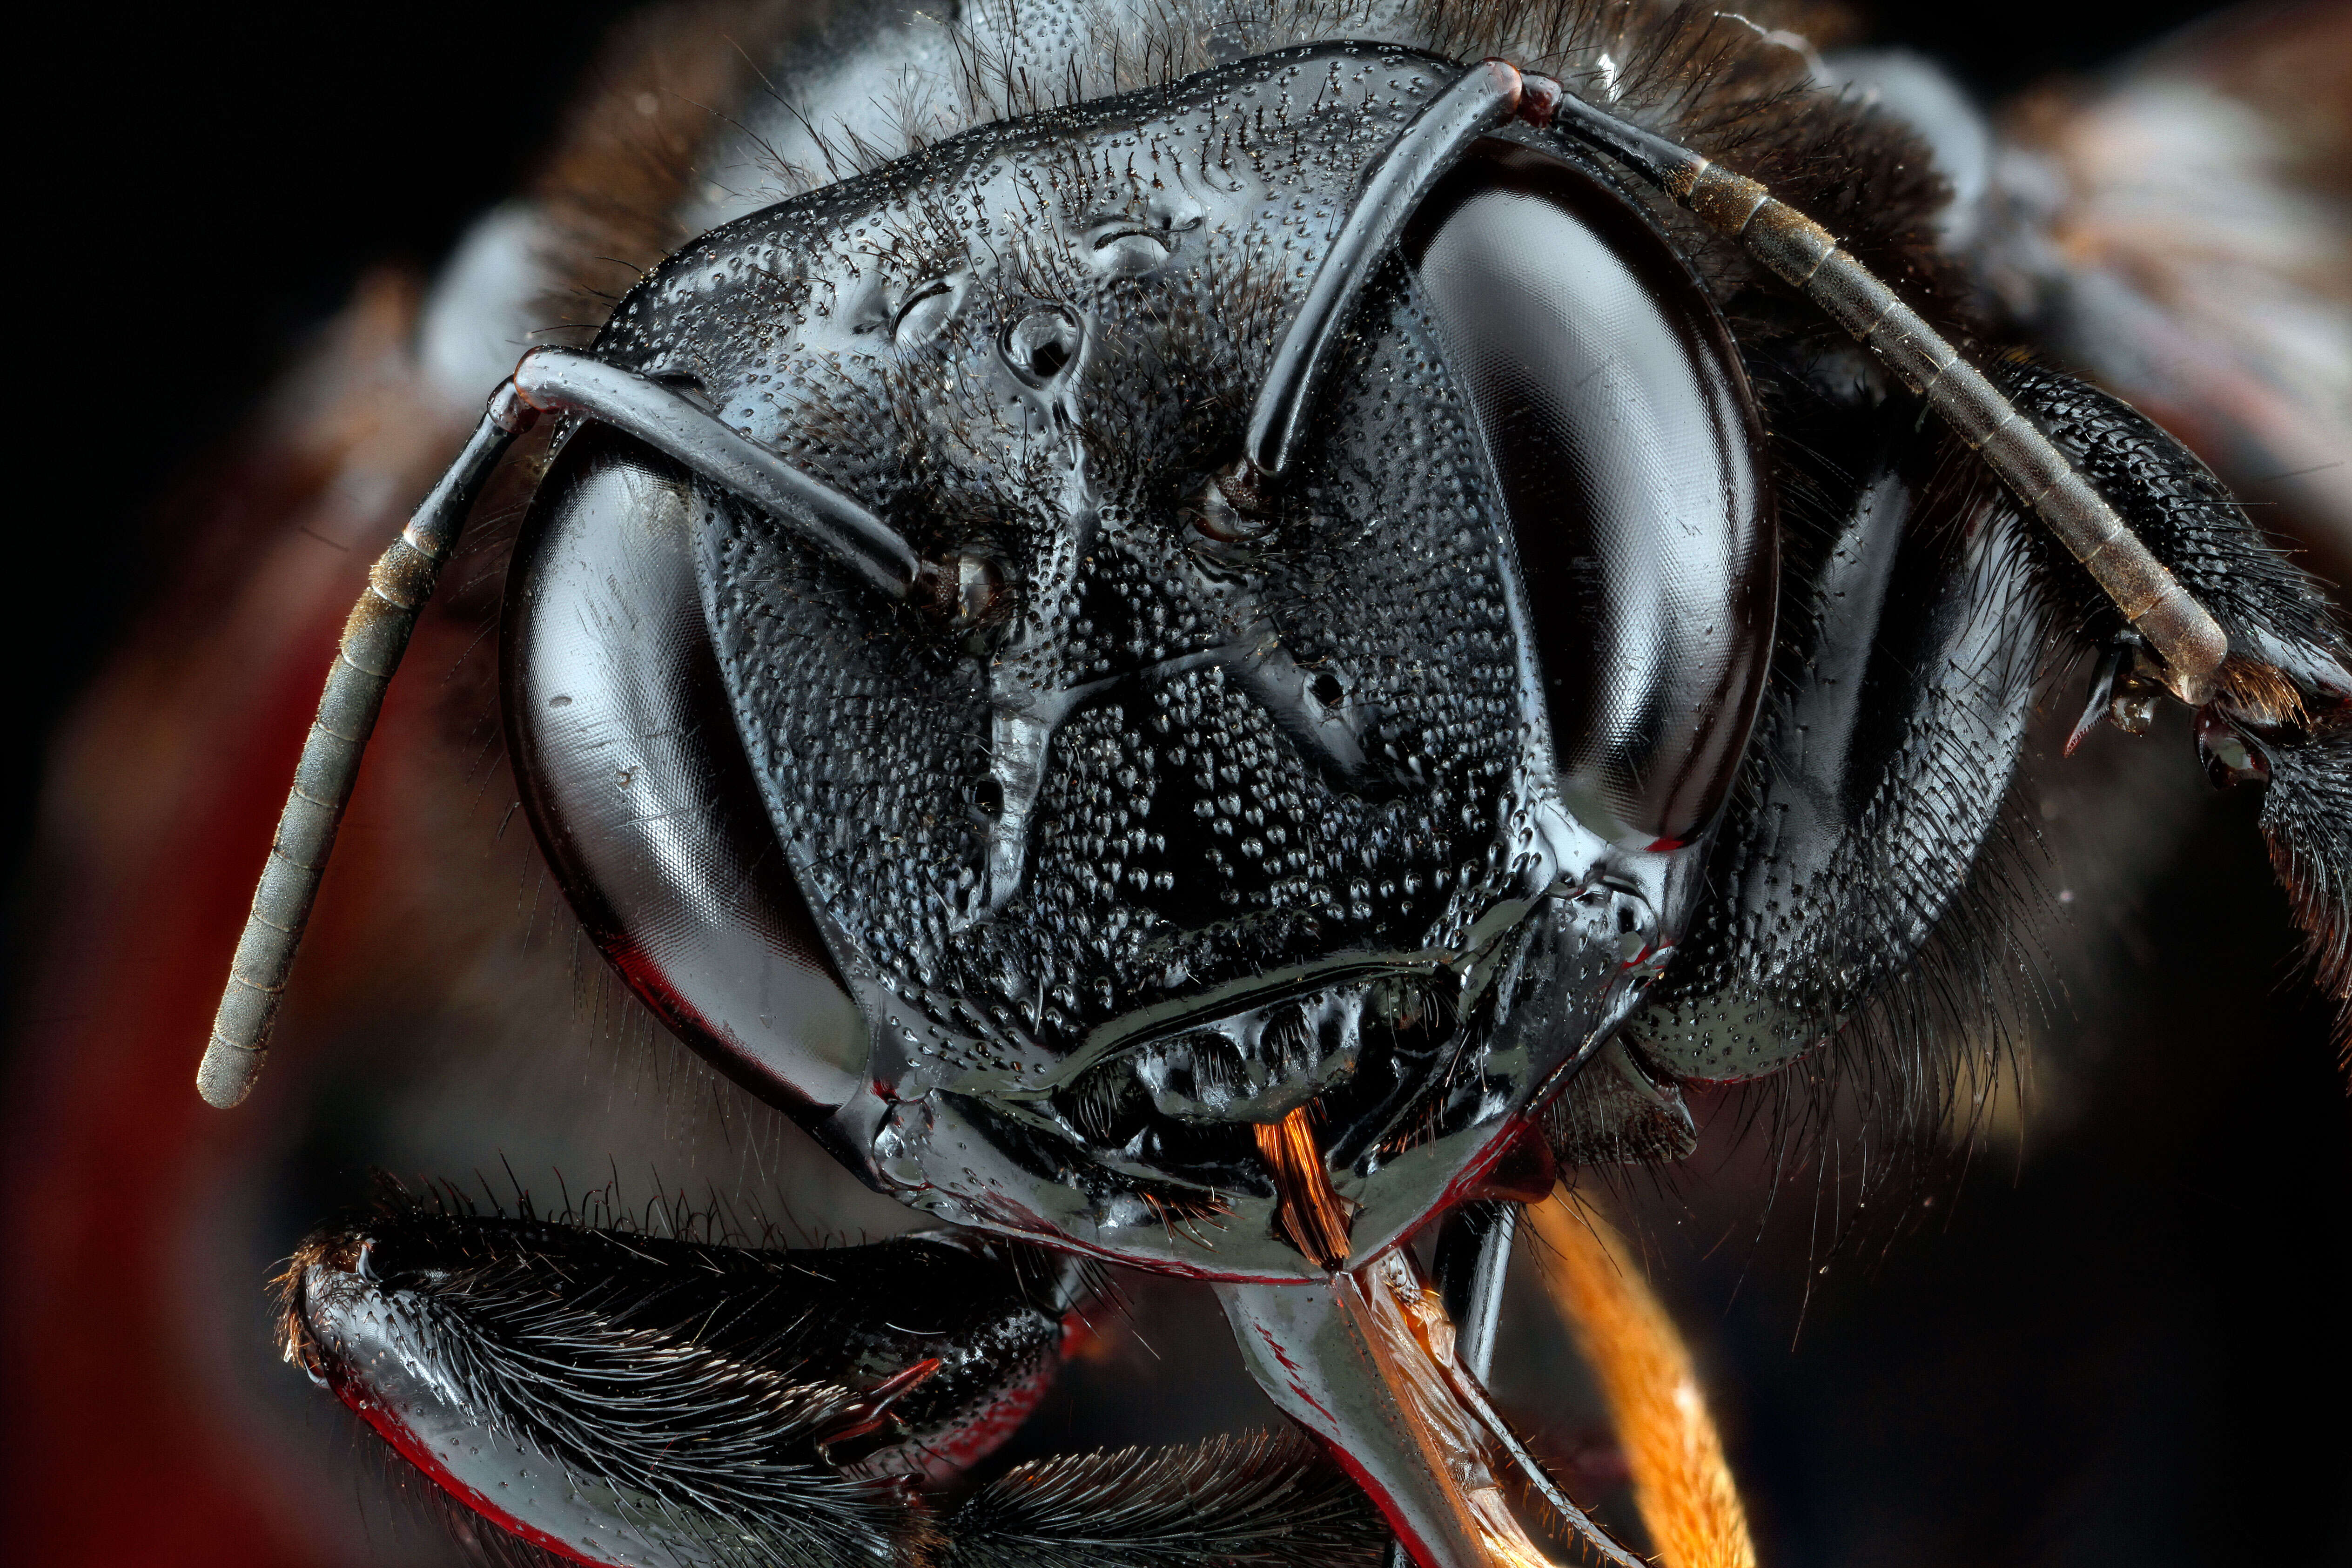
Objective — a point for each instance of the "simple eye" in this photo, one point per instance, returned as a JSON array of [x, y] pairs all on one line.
[[926, 310], [1124, 249], [1040, 346]]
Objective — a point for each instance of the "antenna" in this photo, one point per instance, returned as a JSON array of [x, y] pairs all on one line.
[[377, 633], [374, 638], [1493, 94]]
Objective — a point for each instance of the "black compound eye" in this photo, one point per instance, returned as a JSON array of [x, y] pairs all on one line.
[[625, 751], [1040, 346], [1613, 404]]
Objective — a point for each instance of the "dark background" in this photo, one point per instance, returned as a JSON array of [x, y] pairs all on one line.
[[203, 185], [2153, 1306]]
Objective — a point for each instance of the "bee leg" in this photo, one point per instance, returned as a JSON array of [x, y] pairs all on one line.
[[2281, 716], [621, 1398], [2098, 706], [2307, 821], [1271, 1501]]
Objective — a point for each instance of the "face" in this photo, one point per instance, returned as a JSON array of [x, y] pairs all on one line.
[[1168, 807]]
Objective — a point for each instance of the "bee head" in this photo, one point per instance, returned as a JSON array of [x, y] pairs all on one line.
[[1175, 797]]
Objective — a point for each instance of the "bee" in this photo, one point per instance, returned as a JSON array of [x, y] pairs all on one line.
[[1208, 642]]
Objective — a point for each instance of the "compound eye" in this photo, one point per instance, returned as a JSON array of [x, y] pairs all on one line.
[[1040, 346], [1624, 439], [626, 755]]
